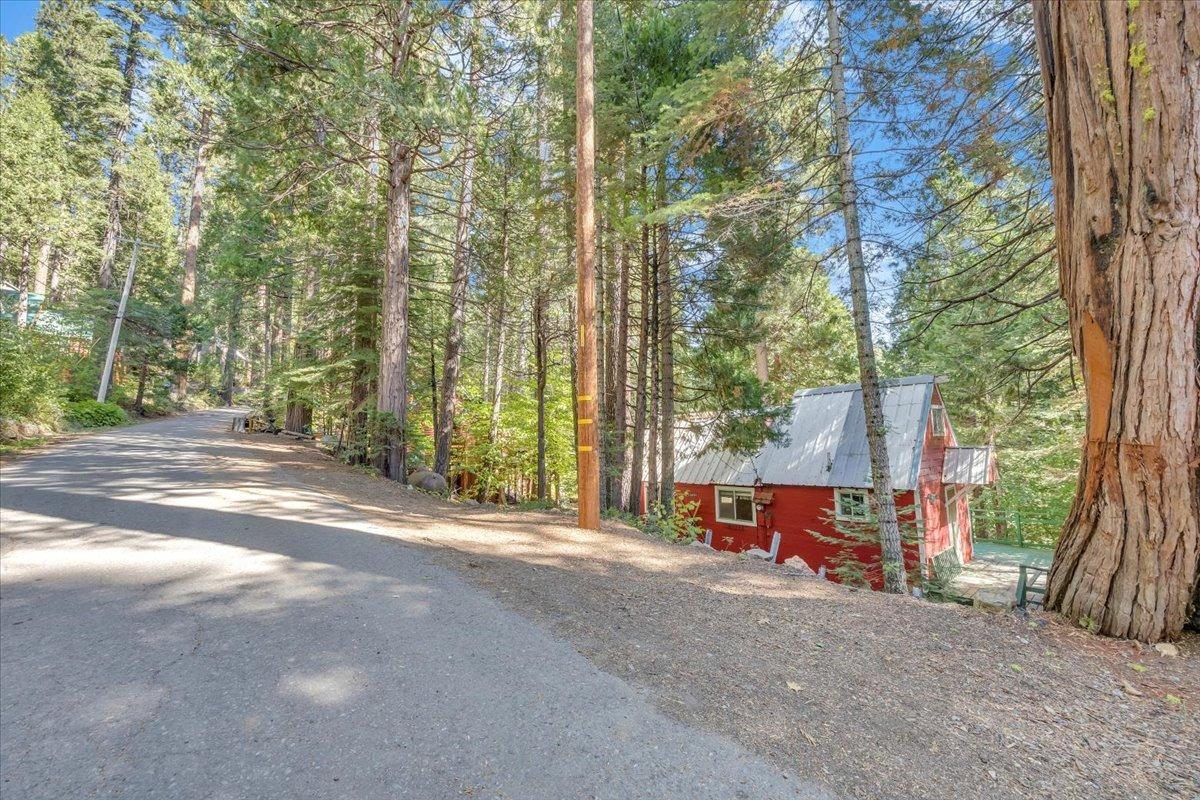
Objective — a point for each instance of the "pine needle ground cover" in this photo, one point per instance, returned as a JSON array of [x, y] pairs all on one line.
[[876, 696]]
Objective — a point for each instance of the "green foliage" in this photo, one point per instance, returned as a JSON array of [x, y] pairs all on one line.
[[859, 559], [680, 524], [511, 452], [34, 157], [712, 130], [1011, 380], [94, 414], [31, 370]]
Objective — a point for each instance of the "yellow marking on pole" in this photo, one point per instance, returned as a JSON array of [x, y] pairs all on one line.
[[584, 448], [585, 422], [583, 398]]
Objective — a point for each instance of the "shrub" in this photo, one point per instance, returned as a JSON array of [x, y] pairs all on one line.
[[93, 414], [680, 524], [30, 375]]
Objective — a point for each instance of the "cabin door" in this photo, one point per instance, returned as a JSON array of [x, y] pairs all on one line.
[[952, 502]]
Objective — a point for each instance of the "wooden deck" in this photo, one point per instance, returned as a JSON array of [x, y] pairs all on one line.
[[991, 577]]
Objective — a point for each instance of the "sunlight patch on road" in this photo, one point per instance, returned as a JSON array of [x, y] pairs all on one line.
[[328, 687]]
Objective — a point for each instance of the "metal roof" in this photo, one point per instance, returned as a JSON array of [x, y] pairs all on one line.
[[971, 466], [826, 442]]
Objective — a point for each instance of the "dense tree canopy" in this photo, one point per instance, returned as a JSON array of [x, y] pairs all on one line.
[[346, 175]]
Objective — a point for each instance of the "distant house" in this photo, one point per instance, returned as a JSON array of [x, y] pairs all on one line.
[[822, 470]]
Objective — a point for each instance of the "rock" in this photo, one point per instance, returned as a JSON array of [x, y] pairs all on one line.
[[799, 565], [428, 481], [1167, 649], [758, 552], [17, 429], [9, 429], [698, 543]]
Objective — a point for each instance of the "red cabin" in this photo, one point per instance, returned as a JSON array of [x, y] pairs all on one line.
[[821, 469]]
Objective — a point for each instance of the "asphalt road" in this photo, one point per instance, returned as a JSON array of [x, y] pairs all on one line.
[[178, 621]]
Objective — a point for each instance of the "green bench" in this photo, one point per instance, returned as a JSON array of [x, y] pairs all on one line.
[[1029, 592]]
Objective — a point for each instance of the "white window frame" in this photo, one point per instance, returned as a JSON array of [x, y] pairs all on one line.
[[745, 491], [841, 514], [939, 421]]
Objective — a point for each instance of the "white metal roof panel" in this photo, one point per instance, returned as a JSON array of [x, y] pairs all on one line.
[[826, 441], [970, 466]]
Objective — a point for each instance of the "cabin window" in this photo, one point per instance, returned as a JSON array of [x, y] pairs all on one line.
[[852, 504], [735, 505], [939, 421]]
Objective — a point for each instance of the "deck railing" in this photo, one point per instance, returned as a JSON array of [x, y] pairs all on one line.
[[1015, 528]]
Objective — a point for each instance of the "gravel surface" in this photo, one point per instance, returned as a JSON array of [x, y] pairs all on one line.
[[875, 696]]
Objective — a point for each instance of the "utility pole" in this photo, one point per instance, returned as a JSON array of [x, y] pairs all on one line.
[[116, 334], [588, 458]]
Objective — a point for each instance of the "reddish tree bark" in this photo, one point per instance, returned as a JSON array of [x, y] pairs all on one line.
[[393, 345], [1121, 82]]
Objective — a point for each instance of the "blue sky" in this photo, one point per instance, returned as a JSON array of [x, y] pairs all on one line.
[[16, 16]]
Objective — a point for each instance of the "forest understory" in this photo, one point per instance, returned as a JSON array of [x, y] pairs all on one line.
[[873, 695]]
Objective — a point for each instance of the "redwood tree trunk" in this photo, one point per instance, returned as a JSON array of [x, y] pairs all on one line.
[[666, 491], [1122, 82], [539, 359], [637, 463], [540, 336], [620, 381], [366, 293], [393, 344]]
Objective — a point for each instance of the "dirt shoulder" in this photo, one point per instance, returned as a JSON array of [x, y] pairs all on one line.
[[875, 696]]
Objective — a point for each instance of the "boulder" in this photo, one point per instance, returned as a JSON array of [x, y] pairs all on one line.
[[10, 429], [428, 481], [798, 564], [18, 429]]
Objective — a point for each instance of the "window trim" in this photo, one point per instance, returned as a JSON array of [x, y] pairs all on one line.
[[837, 505], [744, 490], [939, 421]]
